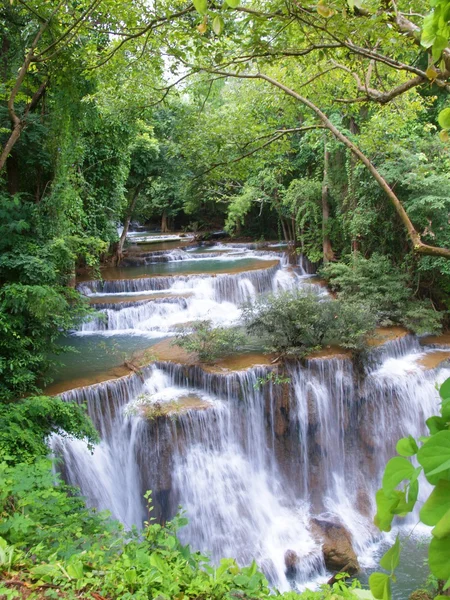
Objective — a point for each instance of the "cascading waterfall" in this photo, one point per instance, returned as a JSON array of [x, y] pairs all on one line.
[[250, 464], [216, 298]]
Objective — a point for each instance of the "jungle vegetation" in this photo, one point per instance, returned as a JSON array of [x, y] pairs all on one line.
[[321, 124]]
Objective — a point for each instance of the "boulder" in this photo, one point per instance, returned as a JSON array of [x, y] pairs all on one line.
[[337, 547], [292, 562]]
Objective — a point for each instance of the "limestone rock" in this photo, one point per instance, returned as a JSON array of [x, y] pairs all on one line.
[[337, 547]]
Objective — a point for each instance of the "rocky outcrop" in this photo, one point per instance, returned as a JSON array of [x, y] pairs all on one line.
[[337, 547]]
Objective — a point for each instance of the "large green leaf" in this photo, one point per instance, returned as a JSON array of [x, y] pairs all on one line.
[[380, 586], [390, 560], [407, 446], [444, 390], [397, 470], [201, 6], [363, 594], [444, 122], [233, 3], [218, 25], [434, 456], [437, 504], [439, 558], [385, 507], [442, 528], [436, 424]]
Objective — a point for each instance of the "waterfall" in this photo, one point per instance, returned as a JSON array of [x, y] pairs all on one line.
[[223, 286], [253, 465]]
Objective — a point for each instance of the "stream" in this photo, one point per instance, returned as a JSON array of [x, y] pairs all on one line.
[[253, 466]]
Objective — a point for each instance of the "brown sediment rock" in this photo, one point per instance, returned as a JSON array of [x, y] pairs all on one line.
[[179, 406], [165, 350], [337, 547], [239, 362], [63, 386], [382, 335], [330, 352], [432, 360], [436, 340], [119, 273], [317, 281]]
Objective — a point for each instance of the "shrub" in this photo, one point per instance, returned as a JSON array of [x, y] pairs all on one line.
[[383, 288], [209, 342], [296, 323], [26, 425], [49, 539]]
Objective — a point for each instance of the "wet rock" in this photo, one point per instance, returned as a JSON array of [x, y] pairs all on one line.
[[337, 547], [291, 560], [421, 595]]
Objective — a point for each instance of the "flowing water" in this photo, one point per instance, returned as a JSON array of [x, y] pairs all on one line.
[[251, 465]]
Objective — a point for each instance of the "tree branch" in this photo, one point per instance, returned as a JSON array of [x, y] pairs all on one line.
[[418, 246]]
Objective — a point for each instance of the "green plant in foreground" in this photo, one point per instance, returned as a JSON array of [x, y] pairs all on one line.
[[95, 553], [400, 490]]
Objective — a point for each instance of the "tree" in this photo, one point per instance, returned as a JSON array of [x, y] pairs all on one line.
[[144, 152], [347, 40]]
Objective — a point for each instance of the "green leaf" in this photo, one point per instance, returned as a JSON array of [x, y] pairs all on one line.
[[434, 456], [436, 424], [233, 3], [385, 507], [380, 586], [397, 469], [444, 390], [363, 594], [444, 122], [217, 25], [201, 6], [241, 580], [407, 446], [437, 504], [390, 560], [445, 410], [439, 557], [75, 569], [442, 528]]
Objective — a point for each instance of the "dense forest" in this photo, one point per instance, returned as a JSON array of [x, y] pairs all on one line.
[[323, 127]]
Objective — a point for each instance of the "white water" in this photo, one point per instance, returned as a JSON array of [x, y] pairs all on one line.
[[251, 470], [213, 297]]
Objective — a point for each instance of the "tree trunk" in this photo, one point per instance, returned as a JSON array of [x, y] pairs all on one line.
[[12, 172], [328, 253], [285, 233], [352, 197], [15, 135], [126, 224], [164, 223]]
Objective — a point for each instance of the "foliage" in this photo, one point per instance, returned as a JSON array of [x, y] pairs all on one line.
[[32, 318], [271, 377], [209, 342], [296, 323], [376, 283], [433, 455], [25, 426], [95, 554]]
